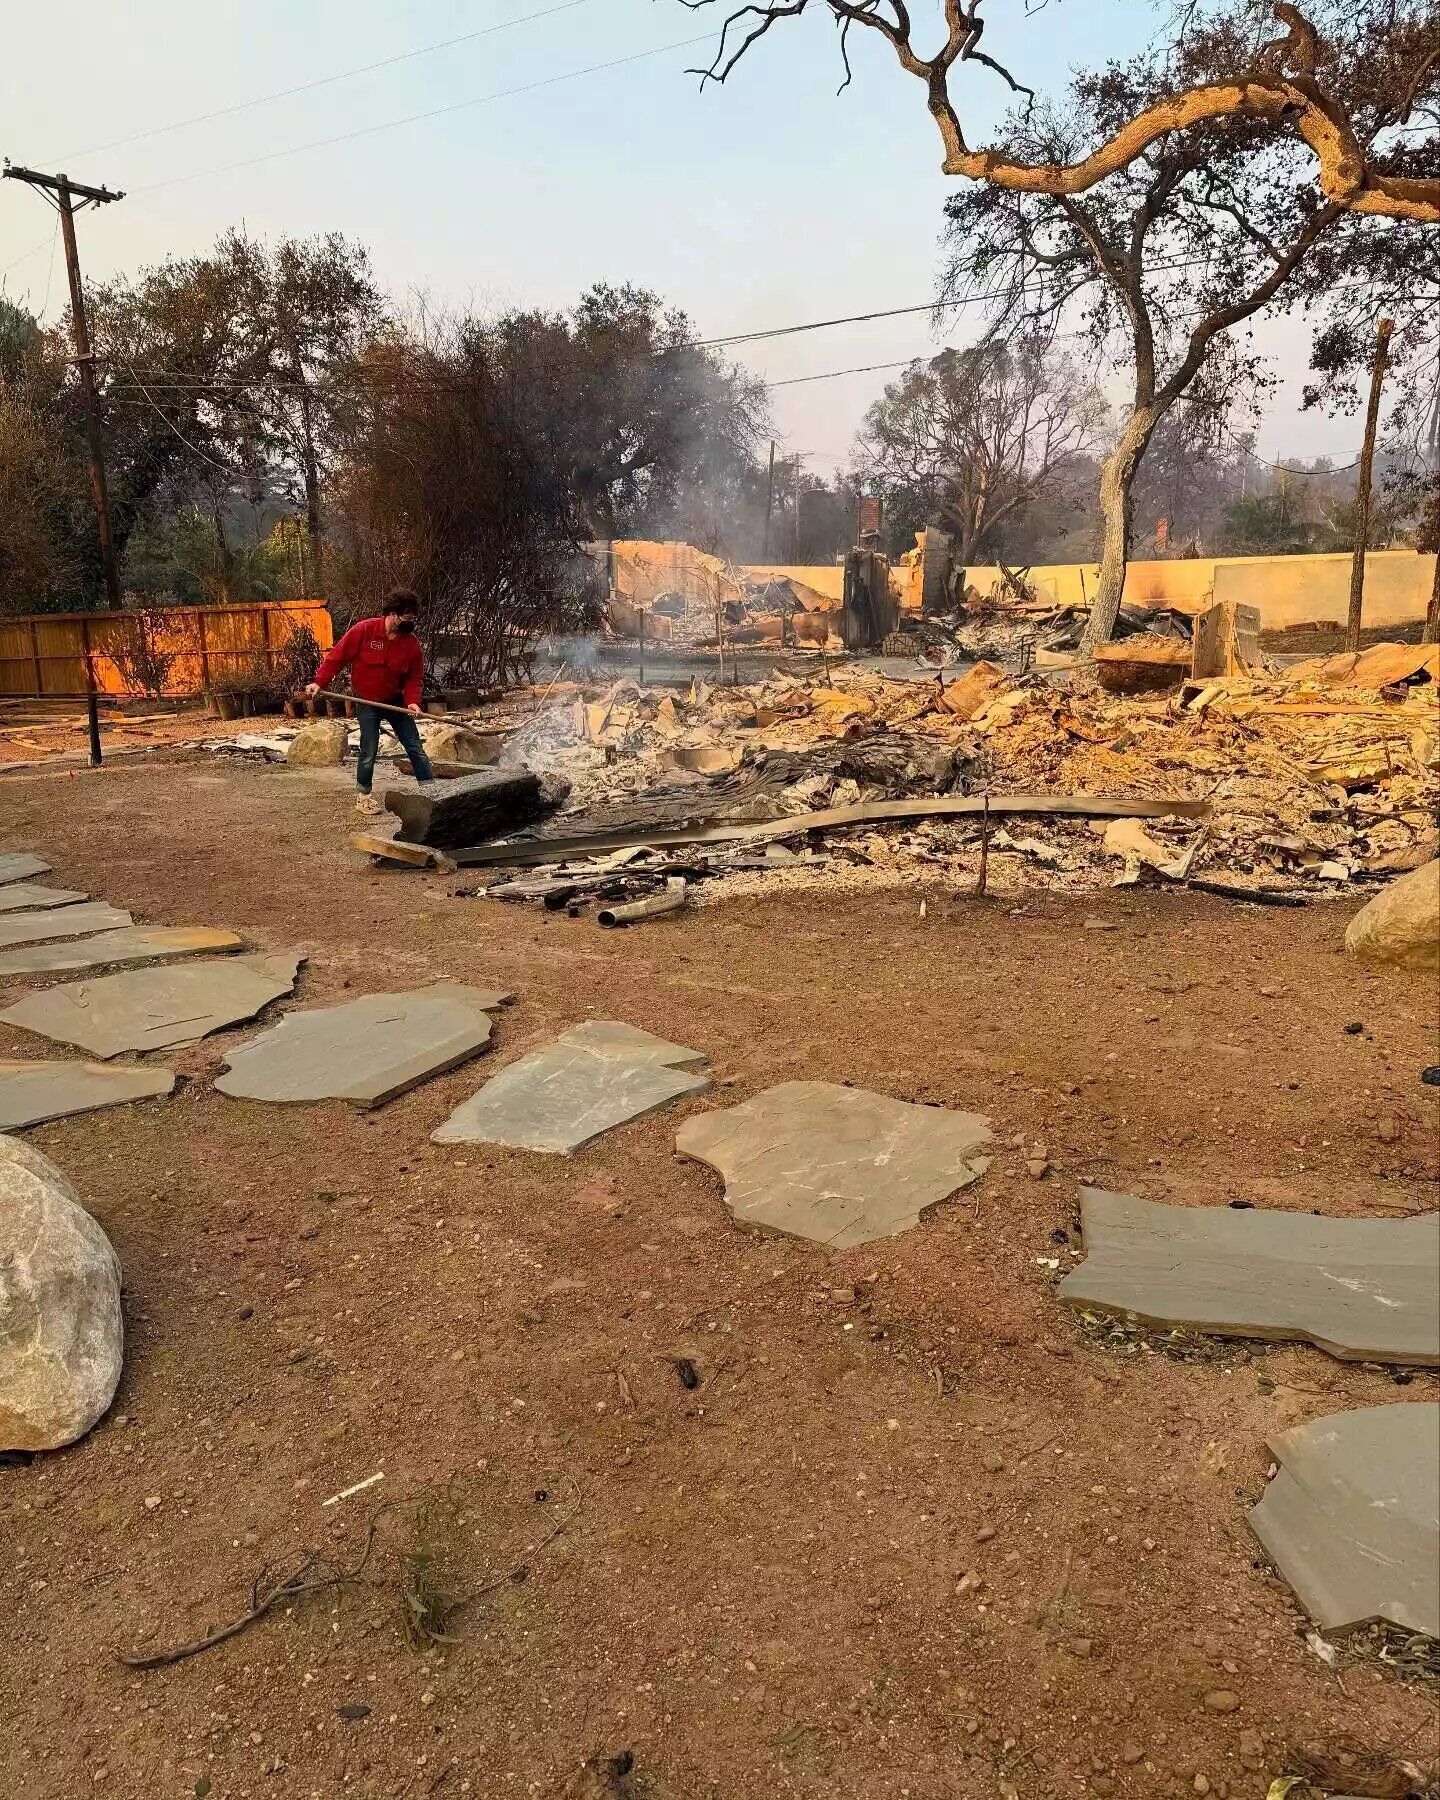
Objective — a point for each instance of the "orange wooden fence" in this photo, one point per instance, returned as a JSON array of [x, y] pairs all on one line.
[[46, 653]]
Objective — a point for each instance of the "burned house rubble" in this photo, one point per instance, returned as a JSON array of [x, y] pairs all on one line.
[[1277, 787]]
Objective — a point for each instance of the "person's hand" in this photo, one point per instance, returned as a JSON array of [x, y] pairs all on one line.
[[414, 711], [312, 688]]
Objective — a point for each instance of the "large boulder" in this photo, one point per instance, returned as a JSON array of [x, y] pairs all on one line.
[[319, 745], [1402, 923], [61, 1336]]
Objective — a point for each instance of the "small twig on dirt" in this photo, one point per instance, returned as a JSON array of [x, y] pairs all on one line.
[[624, 1386], [522, 1570], [1052, 1608], [312, 1572]]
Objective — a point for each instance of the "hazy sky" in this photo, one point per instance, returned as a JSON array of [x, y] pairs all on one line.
[[768, 201]]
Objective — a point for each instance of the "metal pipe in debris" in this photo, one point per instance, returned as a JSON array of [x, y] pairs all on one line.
[[633, 911]]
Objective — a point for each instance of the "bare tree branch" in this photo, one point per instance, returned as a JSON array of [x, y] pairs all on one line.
[[1283, 89]]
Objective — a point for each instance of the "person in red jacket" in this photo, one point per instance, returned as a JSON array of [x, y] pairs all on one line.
[[387, 665]]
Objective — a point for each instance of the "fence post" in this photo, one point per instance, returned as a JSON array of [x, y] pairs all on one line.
[[92, 705], [204, 653], [269, 647], [35, 658]]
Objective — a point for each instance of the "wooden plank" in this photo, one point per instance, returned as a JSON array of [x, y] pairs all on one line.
[[947, 806], [396, 850]]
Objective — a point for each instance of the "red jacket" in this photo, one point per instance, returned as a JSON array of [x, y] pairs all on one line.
[[382, 668]]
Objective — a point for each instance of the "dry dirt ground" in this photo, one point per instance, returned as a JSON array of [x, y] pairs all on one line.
[[912, 1534]]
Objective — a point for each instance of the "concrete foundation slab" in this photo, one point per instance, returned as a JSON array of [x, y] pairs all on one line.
[[20, 894], [20, 865], [838, 1165], [1352, 1520], [155, 1009], [366, 1051], [32, 1092], [134, 943], [66, 921], [598, 1075], [1363, 1289]]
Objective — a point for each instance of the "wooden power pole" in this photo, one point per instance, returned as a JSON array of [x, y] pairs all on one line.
[[62, 193], [769, 504], [1362, 489]]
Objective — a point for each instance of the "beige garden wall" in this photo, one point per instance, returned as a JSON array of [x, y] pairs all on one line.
[[1288, 590]]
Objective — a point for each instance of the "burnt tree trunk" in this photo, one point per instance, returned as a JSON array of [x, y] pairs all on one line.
[[1117, 481]]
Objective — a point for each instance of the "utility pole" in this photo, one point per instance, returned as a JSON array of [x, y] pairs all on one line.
[[62, 194], [1362, 489], [769, 503]]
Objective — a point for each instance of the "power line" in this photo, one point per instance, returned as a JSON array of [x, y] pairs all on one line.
[[179, 381], [834, 374], [437, 112], [194, 449], [307, 87], [47, 239]]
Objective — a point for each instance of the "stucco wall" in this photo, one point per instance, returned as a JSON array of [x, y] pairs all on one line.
[[1288, 590], [1303, 590]]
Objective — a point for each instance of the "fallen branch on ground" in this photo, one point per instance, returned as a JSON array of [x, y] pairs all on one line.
[[313, 1572]]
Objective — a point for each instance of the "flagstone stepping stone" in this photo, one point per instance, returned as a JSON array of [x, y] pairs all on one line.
[[839, 1165], [65, 921], [1352, 1521], [592, 1078], [134, 943], [29, 893], [20, 865], [367, 1050], [1363, 1289], [32, 1092], [155, 1009]]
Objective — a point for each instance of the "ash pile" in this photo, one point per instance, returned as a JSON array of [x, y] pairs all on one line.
[[1278, 787]]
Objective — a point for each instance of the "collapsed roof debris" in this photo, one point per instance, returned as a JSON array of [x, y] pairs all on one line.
[[1305, 784]]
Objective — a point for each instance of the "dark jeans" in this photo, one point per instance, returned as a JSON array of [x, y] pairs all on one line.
[[370, 719]]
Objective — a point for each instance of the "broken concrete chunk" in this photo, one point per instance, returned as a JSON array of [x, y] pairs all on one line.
[[135, 943], [1402, 923], [319, 745], [20, 865], [469, 810], [596, 1076], [65, 921], [1363, 1289], [32, 1092], [368, 1050], [154, 1009], [458, 744], [1352, 1521], [839, 1165], [61, 1336], [30, 894]]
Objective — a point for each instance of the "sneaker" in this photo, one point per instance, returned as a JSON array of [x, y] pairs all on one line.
[[368, 806]]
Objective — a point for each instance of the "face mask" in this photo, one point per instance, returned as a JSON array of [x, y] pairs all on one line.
[[403, 627]]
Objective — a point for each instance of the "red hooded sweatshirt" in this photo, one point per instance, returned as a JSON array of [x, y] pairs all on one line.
[[387, 669]]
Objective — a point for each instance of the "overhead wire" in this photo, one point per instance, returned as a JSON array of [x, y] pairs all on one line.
[[50, 271], [309, 87], [436, 112], [25, 254]]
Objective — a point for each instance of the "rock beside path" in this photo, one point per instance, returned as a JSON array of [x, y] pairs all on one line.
[[319, 745], [61, 1337]]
